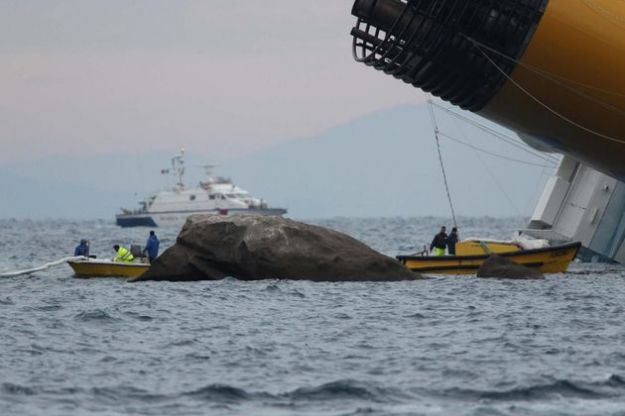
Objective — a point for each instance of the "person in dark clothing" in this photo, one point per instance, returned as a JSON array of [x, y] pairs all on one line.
[[82, 249], [439, 242], [151, 246], [452, 240]]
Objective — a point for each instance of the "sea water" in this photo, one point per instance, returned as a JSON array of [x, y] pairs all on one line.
[[443, 346]]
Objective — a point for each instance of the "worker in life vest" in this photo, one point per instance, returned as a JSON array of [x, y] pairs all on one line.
[[439, 243], [123, 255]]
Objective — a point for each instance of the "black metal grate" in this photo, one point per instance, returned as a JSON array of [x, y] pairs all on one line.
[[433, 44]]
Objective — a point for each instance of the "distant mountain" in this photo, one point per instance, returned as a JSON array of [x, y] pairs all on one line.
[[386, 164], [120, 172], [382, 164], [24, 198]]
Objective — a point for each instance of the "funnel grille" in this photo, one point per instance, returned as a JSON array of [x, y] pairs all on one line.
[[434, 44]]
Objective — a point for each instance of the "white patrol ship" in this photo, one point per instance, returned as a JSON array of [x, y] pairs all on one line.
[[215, 195]]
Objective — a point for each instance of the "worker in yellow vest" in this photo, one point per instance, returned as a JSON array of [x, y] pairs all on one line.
[[123, 255], [439, 243]]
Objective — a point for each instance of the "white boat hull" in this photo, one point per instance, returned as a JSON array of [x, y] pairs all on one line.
[[177, 219]]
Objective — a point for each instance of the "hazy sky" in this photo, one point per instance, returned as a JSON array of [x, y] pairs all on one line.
[[220, 77]]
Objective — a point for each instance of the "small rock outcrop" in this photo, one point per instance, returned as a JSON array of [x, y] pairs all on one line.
[[212, 247], [501, 268]]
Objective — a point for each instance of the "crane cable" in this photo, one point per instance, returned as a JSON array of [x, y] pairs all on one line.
[[440, 158]]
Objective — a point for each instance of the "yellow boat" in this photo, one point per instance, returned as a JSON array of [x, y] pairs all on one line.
[[107, 268], [474, 247], [546, 260]]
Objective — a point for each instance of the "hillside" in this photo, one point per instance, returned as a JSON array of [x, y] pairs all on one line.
[[382, 164]]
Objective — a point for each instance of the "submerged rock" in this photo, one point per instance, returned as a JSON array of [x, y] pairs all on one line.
[[211, 247], [502, 268]]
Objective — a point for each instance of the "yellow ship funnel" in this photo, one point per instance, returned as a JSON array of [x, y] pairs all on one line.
[[552, 70]]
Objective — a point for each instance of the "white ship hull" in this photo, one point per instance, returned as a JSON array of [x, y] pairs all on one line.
[[582, 204], [177, 219], [171, 207]]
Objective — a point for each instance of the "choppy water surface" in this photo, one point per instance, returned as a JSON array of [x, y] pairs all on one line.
[[445, 346]]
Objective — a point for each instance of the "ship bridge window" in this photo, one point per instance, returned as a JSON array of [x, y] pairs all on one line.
[[212, 196], [222, 196], [192, 197]]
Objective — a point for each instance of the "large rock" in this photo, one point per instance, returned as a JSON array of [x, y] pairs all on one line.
[[502, 268], [211, 247]]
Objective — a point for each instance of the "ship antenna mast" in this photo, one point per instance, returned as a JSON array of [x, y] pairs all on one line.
[[178, 169]]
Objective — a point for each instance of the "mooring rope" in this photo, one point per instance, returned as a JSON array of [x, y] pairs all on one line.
[[40, 268]]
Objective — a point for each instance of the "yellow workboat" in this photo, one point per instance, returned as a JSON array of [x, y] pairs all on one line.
[[107, 268], [475, 246], [554, 259]]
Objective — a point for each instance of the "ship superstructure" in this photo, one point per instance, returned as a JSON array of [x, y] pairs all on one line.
[[213, 195]]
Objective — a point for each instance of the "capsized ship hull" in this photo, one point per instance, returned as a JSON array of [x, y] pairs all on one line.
[[551, 70], [580, 203]]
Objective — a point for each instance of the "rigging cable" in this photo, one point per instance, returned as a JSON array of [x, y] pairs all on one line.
[[490, 173], [510, 159], [559, 80], [440, 158], [607, 14], [542, 72], [547, 107], [508, 139]]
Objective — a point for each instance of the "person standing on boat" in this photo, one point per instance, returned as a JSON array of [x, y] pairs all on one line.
[[82, 249], [123, 255], [151, 246], [439, 243], [452, 240]]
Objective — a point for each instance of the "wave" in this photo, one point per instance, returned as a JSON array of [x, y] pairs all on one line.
[[97, 315], [108, 394], [116, 393], [613, 386], [139, 317], [416, 316], [337, 390], [220, 393], [47, 308], [6, 301], [18, 390]]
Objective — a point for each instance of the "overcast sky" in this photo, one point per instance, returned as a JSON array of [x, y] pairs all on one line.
[[221, 77]]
